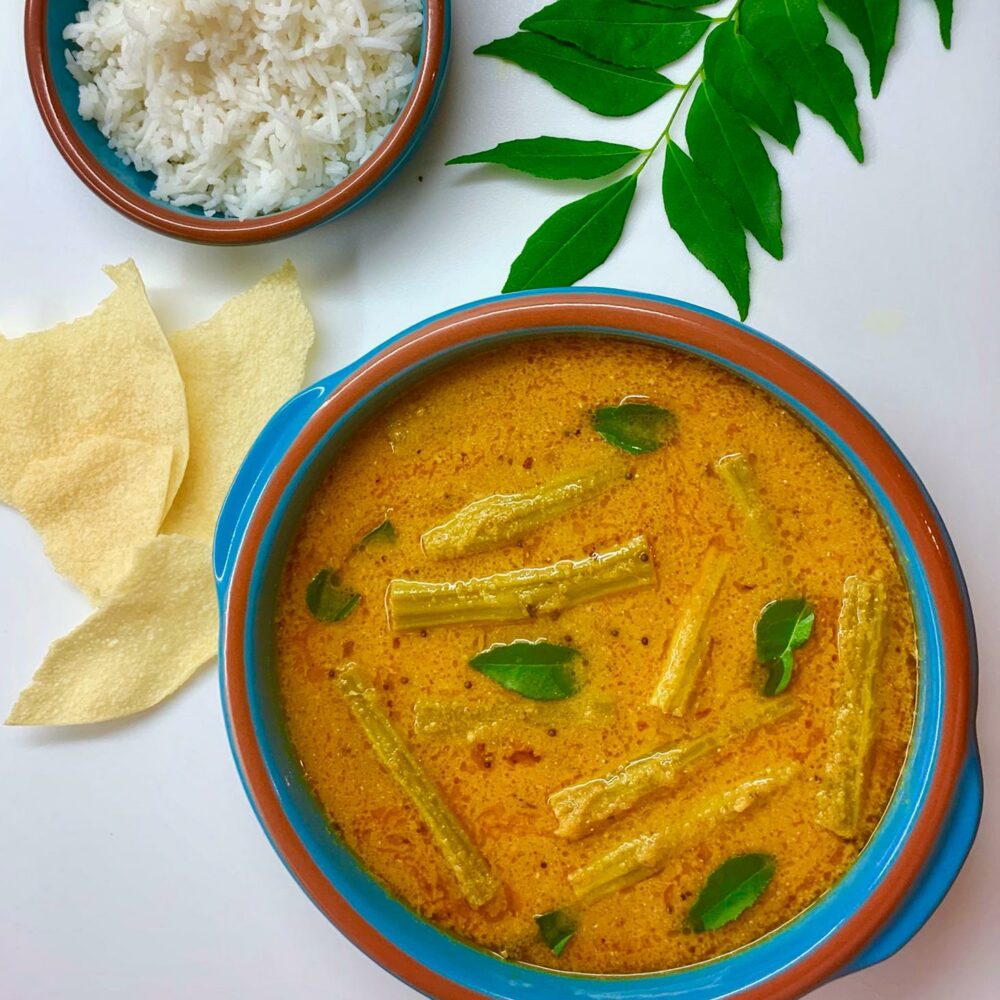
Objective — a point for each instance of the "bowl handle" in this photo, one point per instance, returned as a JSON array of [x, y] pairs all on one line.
[[253, 474], [941, 869]]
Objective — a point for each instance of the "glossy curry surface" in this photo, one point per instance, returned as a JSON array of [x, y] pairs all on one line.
[[511, 420]]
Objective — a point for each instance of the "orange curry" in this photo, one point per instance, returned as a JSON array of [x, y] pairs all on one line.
[[605, 781]]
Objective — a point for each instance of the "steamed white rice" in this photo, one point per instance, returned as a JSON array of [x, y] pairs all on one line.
[[244, 107]]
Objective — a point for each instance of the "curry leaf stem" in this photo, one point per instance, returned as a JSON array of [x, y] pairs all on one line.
[[685, 91]]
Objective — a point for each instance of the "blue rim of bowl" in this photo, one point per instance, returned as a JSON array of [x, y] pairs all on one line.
[[480, 971]]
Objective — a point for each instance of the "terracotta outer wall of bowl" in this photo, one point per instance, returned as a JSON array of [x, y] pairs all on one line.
[[199, 229], [701, 332]]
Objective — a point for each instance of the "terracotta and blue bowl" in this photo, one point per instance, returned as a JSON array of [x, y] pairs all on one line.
[[919, 846], [128, 190]]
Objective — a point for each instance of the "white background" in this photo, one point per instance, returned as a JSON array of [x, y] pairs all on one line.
[[130, 864]]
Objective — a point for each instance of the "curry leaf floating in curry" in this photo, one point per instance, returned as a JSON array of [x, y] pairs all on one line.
[[327, 600], [760, 56], [637, 428], [783, 626], [735, 885], [556, 928], [541, 671], [382, 534]]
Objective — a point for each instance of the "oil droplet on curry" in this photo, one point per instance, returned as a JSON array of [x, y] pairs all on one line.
[[534, 685]]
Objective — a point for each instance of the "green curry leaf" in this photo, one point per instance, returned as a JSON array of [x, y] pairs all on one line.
[[678, 4], [382, 534], [327, 600], [946, 12], [703, 219], [791, 35], [637, 428], [555, 158], [600, 87], [537, 670], [873, 23], [556, 928], [750, 84], [783, 626], [729, 152], [620, 31], [574, 240], [735, 885]]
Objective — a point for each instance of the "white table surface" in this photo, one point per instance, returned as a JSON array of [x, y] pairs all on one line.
[[130, 863]]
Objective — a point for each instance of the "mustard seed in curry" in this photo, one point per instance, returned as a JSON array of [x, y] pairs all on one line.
[[535, 686]]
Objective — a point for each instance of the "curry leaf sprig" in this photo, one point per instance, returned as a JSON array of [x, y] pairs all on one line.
[[760, 60]]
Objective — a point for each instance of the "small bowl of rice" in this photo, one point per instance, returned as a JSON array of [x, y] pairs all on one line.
[[236, 121]]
